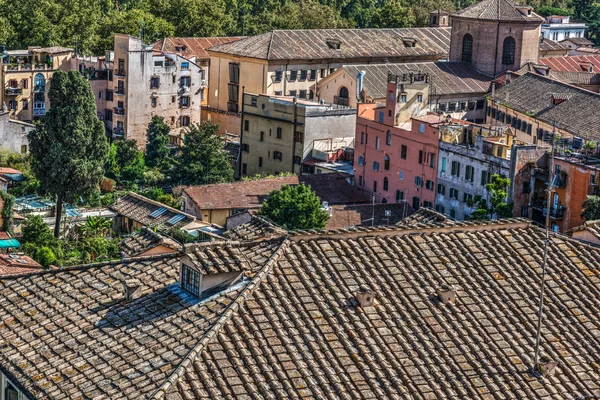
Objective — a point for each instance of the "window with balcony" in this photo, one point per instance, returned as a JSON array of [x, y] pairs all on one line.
[[39, 83], [121, 67]]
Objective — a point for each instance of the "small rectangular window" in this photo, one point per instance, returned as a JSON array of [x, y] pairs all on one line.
[[279, 132], [260, 162], [262, 136], [292, 93], [403, 98], [153, 101], [421, 128], [419, 98], [278, 75], [158, 63], [185, 101], [303, 73], [293, 75], [403, 151], [154, 82], [361, 160], [377, 143], [420, 156], [375, 166], [245, 147], [443, 164], [401, 175], [432, 160], [429, 185], [381, 117], [441, 189], [302, 94], [185, 65], [313, 75], [362, 138], [246, 125]]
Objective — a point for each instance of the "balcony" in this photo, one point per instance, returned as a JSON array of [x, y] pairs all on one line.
[[118, 111], [556, 212], [13, 91], [119, 73], [39, 109], [341, 101], [120, 92], [118, 132]]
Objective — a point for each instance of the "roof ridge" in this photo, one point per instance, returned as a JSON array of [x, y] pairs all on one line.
[[232, 309], [269, 48]]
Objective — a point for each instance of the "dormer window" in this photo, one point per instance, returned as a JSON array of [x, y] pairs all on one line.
[[200, 282], [190, 280], [334, 44], [409, 42]]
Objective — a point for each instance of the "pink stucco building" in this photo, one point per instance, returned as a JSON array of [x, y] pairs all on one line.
[[394, 160]]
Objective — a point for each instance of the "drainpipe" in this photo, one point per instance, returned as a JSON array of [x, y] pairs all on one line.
[[294, 113], [241, 133]]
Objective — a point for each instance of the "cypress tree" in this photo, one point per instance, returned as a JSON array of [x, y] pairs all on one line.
[[69, 149]]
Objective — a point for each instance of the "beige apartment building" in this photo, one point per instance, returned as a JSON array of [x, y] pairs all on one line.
[[288, 63], [25, 76], [280, 133]]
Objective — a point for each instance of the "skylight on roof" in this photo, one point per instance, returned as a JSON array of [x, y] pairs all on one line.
[[175, 219], [158, 212]]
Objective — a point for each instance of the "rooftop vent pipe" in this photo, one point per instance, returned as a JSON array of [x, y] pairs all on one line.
[[365, 297], [447, 294]]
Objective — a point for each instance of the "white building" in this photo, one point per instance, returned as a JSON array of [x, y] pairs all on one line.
[[559, 28]]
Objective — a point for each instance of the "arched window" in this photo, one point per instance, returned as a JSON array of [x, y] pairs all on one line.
[[386, 163], [508, 51], [467, 48], [344, 93], [385, 184], [388, 138], [39, 83]]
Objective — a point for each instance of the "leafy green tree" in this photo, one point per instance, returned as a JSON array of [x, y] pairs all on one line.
[[69, 149], [591, 208], [546, 11], [125, 161], [157, 148], [295, 207], [95, 226], [496, 203], [45, 256], [393, 14], [35, 230], [202, 159]]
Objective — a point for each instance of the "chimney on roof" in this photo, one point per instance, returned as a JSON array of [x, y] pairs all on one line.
[[447, 294], [131, 289], [365, 297]]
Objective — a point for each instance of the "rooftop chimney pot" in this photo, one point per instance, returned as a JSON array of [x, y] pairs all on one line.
[[365, 297], [447, 294], [548, 367], [131, 288]]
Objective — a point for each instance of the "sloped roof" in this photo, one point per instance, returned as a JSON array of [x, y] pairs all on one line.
[[296, 330], [593, 227], [446, 77], [497, 10], [551, 45], [531, 94], [194, 46], [68, 334], [345, 216], [146, 239], [139, 208], [332, 188], [580, 41], [571, 78], [312, 44], [257, 228], [571, 63]]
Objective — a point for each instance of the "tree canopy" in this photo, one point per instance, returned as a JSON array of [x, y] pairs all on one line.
[[157, 147], [295, 207], [202, 159], [591, 208], [495, 205], [69, 150]]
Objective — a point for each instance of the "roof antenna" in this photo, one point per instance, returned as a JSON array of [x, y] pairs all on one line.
[[537, 367]]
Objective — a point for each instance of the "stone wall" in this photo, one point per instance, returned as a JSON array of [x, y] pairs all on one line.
[[13, 134]]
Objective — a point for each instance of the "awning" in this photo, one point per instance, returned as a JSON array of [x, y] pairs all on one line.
[[9, 243]]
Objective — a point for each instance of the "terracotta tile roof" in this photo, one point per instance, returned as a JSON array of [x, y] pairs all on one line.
[[69, 334], [588, 50], [447, 78], [189, 47], [53, 50], [332, 188], [532, 95], [303, 335], [6, 170], [13, 265], [312, 44], [296, 329], [139, 208], [146, 239], [361, 214], [257, 228], [593, 227], [571, 63], [551, 45], [578, 41], [571, 78], [497, 10]]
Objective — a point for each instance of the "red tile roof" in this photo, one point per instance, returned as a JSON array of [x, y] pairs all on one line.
[[571, 63], [332, 188], [194, 47], [12, 264], [4, 170]]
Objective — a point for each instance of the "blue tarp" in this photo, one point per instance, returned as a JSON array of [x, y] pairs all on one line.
[[9, 243]]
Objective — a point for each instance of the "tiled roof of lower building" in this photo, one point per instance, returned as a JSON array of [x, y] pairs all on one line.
[[446, 78], [149, 212], [531, 94], [190, 47], [572, 63], [297, 329], [551, 45], [257, 228], [145, 240]]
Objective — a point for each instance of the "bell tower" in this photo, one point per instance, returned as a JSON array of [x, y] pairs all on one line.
[[495, 36]]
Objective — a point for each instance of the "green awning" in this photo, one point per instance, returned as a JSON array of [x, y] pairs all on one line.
[[6, 243]]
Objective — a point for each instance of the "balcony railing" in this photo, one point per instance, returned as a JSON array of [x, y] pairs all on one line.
[[120, 73], [341, 101], [120, 92], [118, 132], [556, 212], [13, 91], [119, 111]]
